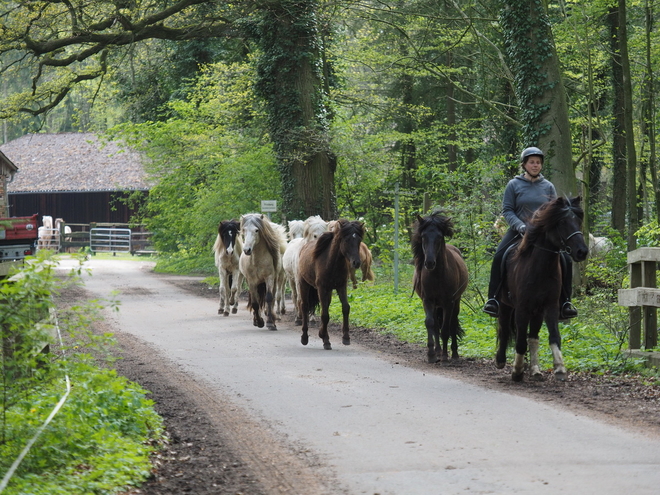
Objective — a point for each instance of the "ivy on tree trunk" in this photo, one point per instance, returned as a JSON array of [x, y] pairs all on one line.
[[290, 78]]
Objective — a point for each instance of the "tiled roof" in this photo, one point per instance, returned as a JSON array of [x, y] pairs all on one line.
[[72, 162]]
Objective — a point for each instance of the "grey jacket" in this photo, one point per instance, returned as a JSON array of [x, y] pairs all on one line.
[[522, 197]]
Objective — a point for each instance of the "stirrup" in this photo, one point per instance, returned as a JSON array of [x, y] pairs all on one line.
[[567, 311], [492, 307]]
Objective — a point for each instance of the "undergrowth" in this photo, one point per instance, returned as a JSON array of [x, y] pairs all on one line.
[[100, 440]]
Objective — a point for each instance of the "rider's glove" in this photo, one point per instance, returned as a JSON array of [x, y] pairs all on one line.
[[521, 229]]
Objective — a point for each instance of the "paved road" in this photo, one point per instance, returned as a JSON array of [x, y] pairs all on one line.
[[383, 428]]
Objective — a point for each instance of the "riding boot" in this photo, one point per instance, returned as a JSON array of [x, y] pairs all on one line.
[[492, 307], [567, 310]]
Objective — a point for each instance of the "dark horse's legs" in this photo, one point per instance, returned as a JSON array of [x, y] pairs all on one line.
[[304, 309], [432, 321], [345, 311], [325, 297], [450, 328], [505, 330]]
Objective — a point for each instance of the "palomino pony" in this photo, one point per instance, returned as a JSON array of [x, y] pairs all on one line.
[[227, 249], [280, 281], [313, 228], [323, 267], [366, 259], [260, 263], [440, 278], [532, 285]]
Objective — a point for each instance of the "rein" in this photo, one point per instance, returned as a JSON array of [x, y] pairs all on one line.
[[564, 248]]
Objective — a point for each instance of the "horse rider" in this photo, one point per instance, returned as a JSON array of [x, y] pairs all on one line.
[[522, 196]]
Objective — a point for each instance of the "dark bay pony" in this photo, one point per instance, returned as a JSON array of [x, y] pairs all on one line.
[[440, 279], [532, 285], [323, 267], [227, 249]]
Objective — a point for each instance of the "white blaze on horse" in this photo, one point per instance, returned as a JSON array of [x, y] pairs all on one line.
[[227, 250], [313, 228], [260, 263], [366, 260]]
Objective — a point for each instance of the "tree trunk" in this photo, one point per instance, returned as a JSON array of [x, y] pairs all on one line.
[[291, 81], [539, 88], [618, 134], [631, 176]]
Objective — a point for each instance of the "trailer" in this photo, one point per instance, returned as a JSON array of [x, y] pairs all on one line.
[[18, 239]]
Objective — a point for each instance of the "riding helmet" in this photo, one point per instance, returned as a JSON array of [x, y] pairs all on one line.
[[532, 150]]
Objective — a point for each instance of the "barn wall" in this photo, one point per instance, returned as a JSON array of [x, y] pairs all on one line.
[[83, 207]]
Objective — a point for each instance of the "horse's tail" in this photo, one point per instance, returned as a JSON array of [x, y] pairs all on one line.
[[313, 300], [460, 333]]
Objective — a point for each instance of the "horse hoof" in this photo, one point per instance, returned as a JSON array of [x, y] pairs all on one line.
[[219, 311], [260, 323], [517, 377], [298, 322], [226, 313], [234, 311], [536, 377], [561, 376], [283, 311], [327, 346], [304, 339], [346, 341], [432, 359]]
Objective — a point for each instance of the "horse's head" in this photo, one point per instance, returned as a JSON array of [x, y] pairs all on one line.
[[314, 227], [295, 229], [350, 235], [228, 231], [560, 222], [251, 225], [429, 239]]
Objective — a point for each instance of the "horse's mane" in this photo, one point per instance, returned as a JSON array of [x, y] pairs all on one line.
[[443, 223], [295, 229], [313, 224], [546, 218], [271, 238], [343, 228]]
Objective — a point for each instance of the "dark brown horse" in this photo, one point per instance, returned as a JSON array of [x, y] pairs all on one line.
[[324, 267], [440, 279], [532, 285]]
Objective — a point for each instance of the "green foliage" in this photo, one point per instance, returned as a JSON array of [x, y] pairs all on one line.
[[212, 162], [101, 438]]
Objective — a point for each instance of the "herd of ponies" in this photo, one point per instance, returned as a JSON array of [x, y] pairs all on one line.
[[316, 257]]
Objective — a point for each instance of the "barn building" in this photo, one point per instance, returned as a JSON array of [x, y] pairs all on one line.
[[74, 176]]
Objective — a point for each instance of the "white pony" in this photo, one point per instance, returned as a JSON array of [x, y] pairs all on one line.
[[280, 284], [227, 249], [313, 227], [47, 235], [260, 263], [599, 245], [295, 229]]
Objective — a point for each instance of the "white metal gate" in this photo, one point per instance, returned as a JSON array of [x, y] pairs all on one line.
[[110, 240]]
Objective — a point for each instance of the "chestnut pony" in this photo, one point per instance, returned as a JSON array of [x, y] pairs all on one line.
[[324, 267]]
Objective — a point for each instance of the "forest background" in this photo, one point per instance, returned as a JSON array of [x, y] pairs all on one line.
[[330, 106]]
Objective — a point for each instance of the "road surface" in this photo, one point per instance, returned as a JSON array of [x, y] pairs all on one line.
[[376, 427]]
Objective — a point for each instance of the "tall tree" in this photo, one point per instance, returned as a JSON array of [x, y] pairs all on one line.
[[539, 87], [65, 43]]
